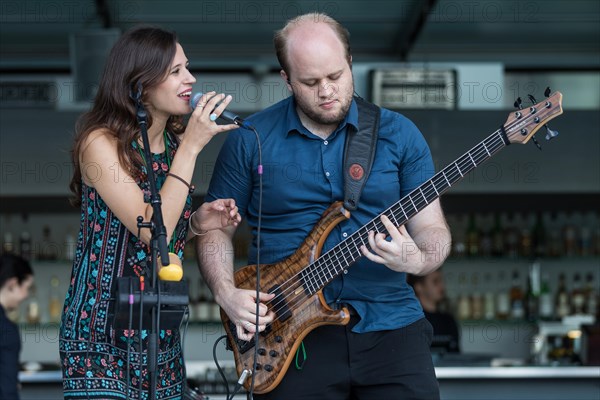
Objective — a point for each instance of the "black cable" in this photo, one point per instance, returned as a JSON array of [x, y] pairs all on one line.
[[258, 229], [183, 332], [245, 372], [219, 366], [129, 328]]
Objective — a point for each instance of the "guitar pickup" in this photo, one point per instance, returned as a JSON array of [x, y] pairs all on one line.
[[242, 345], [283, 312]]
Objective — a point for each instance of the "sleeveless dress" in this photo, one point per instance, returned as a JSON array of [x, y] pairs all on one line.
[[94, 355]]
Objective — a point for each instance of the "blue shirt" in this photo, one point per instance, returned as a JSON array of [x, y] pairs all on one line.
[[302, 176]]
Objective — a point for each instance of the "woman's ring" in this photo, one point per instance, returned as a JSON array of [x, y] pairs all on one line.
[[213, 117]]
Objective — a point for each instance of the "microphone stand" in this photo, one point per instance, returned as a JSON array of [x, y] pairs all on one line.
[[158, 245]]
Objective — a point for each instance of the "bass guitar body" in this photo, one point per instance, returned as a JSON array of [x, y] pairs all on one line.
[[299, 306]]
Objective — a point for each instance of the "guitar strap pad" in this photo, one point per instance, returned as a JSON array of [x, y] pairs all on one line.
[[359, 152]]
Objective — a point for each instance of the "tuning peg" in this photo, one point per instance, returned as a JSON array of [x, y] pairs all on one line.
[[550, 134], [532, 99], [518, 103], [547, 92], [536, 142]]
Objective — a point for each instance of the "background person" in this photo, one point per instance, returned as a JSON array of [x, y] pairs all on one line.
[[431, 291], [16, 278]]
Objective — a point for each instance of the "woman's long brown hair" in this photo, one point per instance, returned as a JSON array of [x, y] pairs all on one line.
[[142, 55]]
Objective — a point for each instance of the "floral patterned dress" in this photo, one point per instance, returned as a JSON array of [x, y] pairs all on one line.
[[93, 354]]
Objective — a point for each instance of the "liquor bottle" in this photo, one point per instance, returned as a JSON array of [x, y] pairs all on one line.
[[8, 245], [532, 296], [563, 307], [476, 299], [511, 238], [33, 308], [48, 250], [591, 295], [502, 298], [485, 236], [525, 240], [203, 310], [517, 310], [70, 247], [538, 237], [546, 303], [25, 245], [25, 248], [577, 295], [489, 301], [570, 240], [585, 241], [472, 237], [54, 306], [497, 237], [555, 243], [596, 239], [464, 304]]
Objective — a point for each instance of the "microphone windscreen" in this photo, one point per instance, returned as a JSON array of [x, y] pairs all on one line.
[[194, 99]]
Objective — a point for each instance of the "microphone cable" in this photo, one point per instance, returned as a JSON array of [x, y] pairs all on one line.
[[258, 246], [245, 373]]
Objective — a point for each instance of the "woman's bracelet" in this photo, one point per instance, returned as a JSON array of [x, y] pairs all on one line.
[[191, 188], [192, 228]]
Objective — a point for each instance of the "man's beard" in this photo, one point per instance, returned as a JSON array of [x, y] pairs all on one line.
[[322, 119]]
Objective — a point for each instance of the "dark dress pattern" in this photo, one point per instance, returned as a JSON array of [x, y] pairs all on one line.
[[93, 354]]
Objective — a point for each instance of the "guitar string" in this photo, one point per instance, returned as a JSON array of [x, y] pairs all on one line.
[[483, 153], [314, 268]]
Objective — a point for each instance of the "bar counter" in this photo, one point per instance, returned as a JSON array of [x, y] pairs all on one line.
[[456, 383]]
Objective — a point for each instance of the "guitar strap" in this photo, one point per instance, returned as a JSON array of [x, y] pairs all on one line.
[[359, 152]]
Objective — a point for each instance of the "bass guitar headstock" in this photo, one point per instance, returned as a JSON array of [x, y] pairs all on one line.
[[522, 124]]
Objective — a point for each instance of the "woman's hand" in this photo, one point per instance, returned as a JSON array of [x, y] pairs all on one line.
[[216, 214], [201, 128]]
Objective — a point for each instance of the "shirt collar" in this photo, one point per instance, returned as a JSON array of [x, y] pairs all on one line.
[[295, 125]]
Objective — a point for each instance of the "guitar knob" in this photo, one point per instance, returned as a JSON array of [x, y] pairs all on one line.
[[278, 339], [273, 353], [268, 368], [258, 366], [262, 352]]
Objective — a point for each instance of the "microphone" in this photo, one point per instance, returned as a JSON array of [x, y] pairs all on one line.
[[227, 116]]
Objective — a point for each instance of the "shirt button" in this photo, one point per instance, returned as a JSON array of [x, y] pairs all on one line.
[[344, 234], [326, 143], [326, 173]]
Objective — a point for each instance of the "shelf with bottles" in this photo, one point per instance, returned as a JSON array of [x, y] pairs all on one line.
[[40, 237], [532, 234], [44, 228], [534, 292]]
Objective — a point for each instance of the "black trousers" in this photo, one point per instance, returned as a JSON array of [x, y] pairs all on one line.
[[342, 365]]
